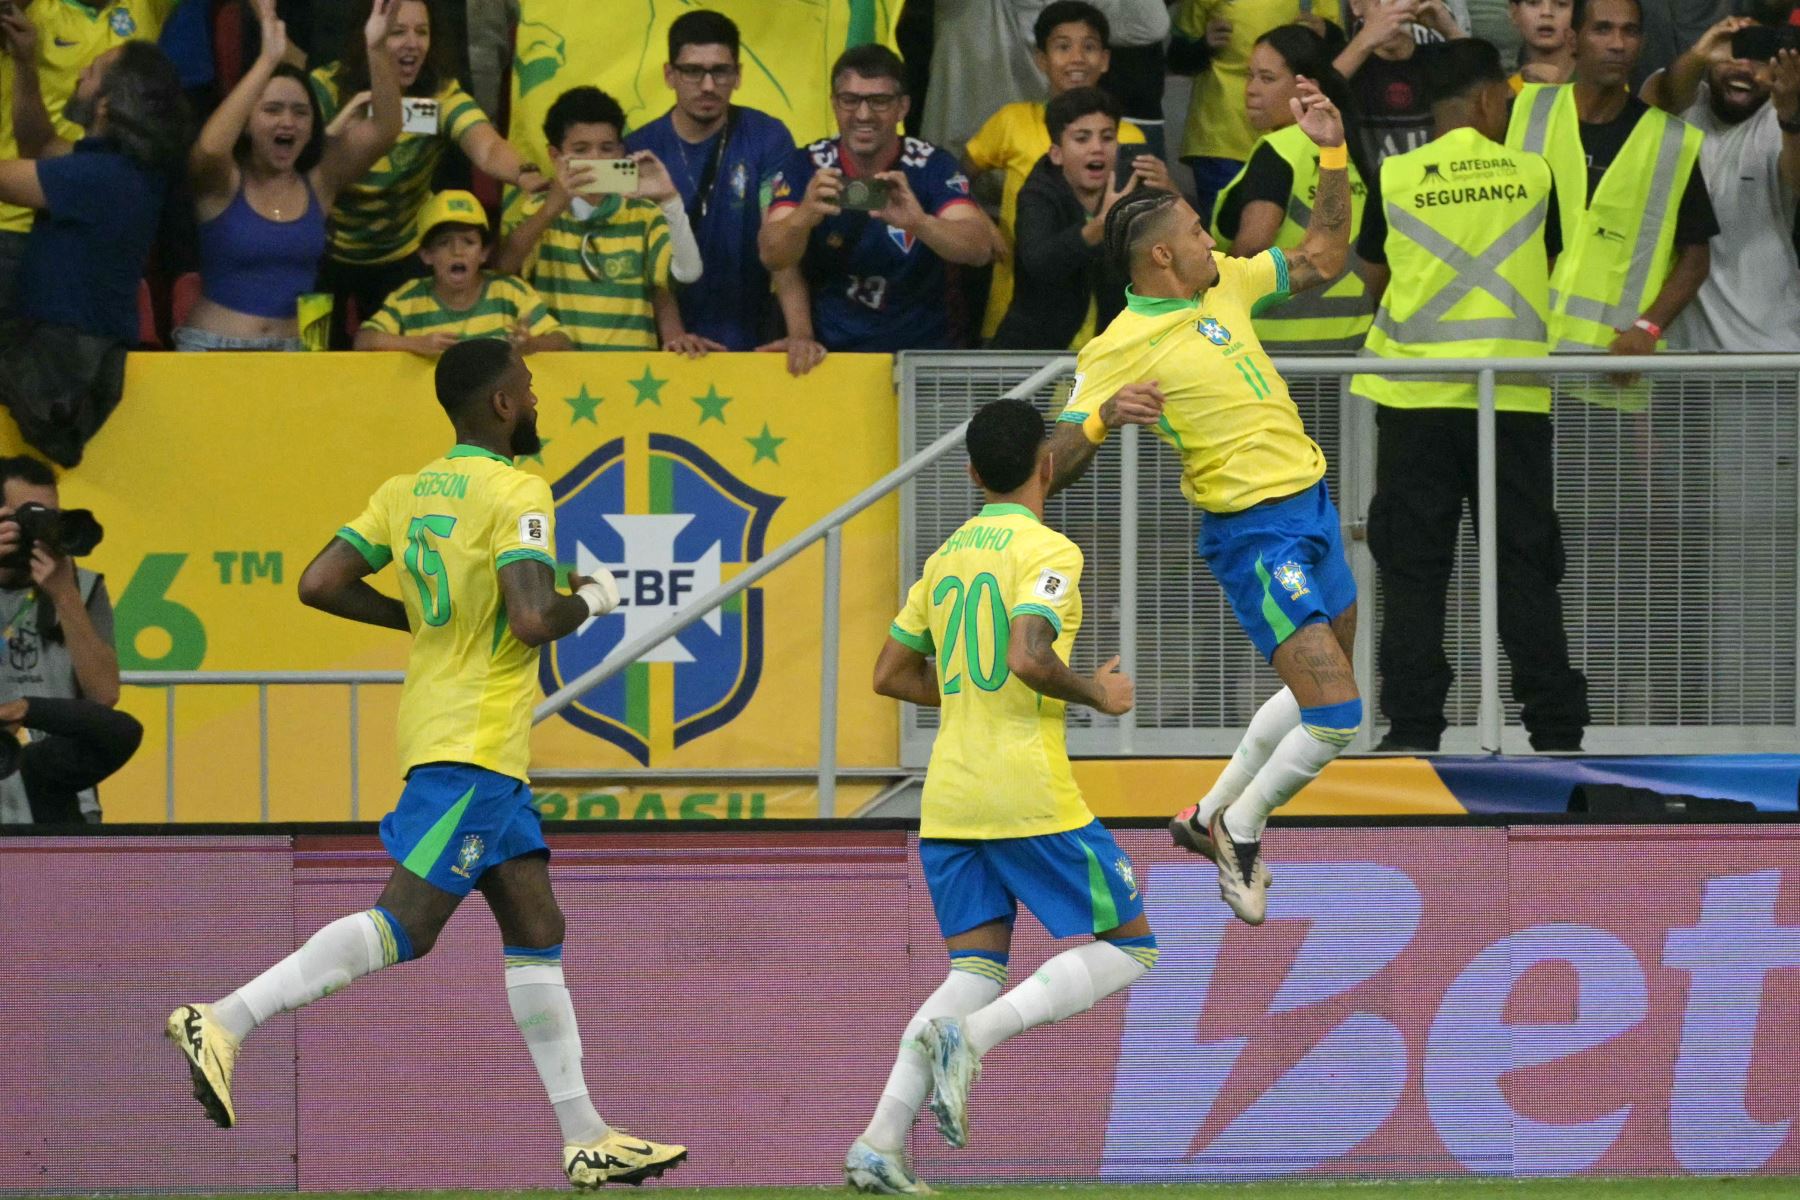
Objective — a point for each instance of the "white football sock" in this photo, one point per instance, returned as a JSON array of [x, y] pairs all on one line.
[[1279, 715], [546, 1017], [1072, 982], [1295, 763], [348, 948], [904, 1094]]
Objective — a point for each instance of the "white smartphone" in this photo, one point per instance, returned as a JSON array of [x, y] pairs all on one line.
[[613, 175]]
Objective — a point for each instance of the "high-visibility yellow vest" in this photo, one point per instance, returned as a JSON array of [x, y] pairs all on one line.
[[1469, 274], [1619, 247], [1328, 318]]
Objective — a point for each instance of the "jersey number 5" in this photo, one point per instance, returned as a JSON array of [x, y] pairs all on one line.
[[427, 568], [965, 620]]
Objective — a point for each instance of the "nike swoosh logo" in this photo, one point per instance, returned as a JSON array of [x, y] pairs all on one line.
[[1159, 337], [643, 1149], [65, 44]]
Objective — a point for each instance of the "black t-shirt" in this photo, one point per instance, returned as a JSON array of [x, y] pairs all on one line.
[[1371, 244], [1396, 109], [1695, 221], [1267, 176]]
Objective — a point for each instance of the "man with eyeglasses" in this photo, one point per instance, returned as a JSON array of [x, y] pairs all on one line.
[[872, 218], [723, 159]]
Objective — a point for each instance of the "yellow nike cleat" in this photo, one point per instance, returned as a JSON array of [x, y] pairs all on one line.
[[619, 1158], [211, 1055]]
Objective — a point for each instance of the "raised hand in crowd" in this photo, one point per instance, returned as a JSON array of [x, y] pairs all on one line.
[[1151, 172], [1435, 16], [21, 35]]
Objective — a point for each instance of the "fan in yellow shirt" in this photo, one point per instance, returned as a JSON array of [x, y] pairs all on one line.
[[1071, 52], [473, 540], [998, 607], [1184, 358]]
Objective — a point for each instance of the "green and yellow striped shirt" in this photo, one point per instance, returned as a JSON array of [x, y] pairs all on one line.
[[597, 274], [375, 219], [505, 300]]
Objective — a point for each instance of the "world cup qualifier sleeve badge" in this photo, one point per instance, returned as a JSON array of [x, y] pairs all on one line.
[[666, 547]]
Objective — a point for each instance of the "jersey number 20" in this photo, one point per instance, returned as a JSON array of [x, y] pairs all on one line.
[[965, 620], [427, 568]]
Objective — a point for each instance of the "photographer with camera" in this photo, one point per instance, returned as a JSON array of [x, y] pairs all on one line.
[[60, 674]]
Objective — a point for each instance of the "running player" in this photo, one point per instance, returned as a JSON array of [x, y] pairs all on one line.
[[1184, 358], [1003, 822], [478, 585]]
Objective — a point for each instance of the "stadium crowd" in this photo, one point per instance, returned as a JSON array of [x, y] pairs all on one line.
[[309, 174]]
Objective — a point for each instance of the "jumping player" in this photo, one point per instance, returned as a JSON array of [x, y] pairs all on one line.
[[1184, 358], [1003, 822], [473, 537]]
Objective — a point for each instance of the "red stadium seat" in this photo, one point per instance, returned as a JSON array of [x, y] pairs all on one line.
[[182, 298], [147, 337], [228, 43], [486, 189]]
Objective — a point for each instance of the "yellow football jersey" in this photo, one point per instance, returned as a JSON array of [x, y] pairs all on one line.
[[470, 683], [70, 36], [1227, 412], [999, 767]]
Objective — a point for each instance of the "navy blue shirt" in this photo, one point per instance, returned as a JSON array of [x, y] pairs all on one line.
[[874, 287], [86, 251], [731, 299]]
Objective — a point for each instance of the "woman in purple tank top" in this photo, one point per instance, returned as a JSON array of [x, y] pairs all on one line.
[[264, 175]]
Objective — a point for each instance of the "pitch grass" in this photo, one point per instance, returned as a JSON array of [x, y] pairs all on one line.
[[1764, 1188]]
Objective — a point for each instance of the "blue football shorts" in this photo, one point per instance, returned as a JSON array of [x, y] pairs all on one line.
[[454, 821], [1282, 565], [1075, 882]]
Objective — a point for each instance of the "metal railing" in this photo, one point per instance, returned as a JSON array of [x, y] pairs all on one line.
[[1664, 483], [262, 681], [826, 529]]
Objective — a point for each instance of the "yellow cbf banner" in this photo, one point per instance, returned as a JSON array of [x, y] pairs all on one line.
[[787, 50], [221, 475]]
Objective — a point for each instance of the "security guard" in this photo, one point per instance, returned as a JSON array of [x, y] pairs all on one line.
[[1457, 242], [1636, 218]]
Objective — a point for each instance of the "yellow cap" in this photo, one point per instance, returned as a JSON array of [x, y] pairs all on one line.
[[451, 208]]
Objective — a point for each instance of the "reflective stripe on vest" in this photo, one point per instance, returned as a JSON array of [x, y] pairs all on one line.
[[1312, 320], [1624, 311], [1430, 325]]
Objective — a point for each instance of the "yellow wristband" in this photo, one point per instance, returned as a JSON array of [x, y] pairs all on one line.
[[1334, 158], [1094, 428]]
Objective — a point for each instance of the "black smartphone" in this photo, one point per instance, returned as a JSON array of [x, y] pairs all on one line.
[[865, 195], [1760, 43]]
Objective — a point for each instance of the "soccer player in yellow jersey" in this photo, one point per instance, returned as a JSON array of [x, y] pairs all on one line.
[[998, 608], [472, 537], [1183, 358]]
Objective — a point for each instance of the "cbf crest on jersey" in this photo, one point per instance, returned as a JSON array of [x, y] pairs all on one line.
[[666, 519]]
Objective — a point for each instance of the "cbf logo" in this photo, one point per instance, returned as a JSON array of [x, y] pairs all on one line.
[[467, 855], [1210, 329], [664, 523], [1292, 577]]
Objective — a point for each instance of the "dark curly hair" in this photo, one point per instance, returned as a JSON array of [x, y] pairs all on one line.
[[147, 113]]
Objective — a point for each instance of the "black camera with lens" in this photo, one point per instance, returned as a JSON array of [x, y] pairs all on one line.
[[65, 532]]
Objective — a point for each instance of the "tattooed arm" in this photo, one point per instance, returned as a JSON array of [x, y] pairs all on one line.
[[1320, 258], [1031, 655]]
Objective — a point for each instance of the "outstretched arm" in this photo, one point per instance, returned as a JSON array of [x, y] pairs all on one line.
[[337, 582], [1320, 258], [1072, 446], [1031, 656]]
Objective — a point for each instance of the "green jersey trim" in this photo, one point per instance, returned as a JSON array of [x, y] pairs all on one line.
[[513, 556], [912, 641], [1038, 610], [464, 450], [1156, 306], [376, 556], [1008, 510]]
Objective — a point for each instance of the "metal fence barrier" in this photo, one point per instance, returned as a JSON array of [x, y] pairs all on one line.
[[1678, 510], [1680, 513]]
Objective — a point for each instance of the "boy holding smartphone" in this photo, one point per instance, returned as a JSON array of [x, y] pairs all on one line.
[[599, 249]]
